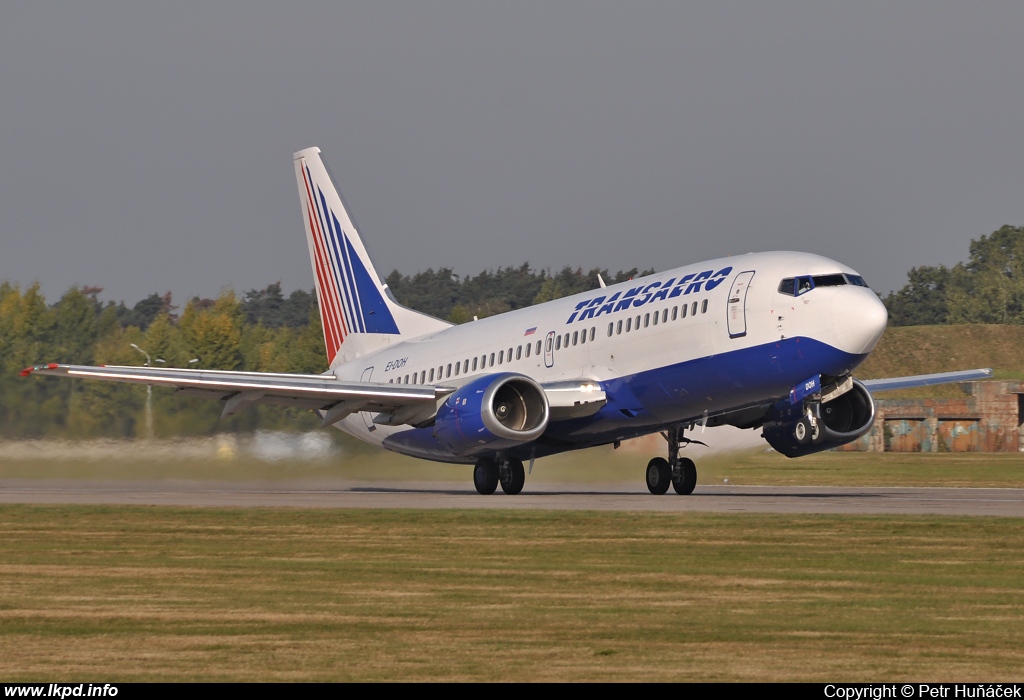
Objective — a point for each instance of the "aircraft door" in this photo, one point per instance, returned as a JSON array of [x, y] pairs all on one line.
[[737, 314], [549, 350], [368, 417]]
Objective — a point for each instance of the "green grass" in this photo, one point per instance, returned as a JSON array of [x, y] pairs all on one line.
[[597, 465], [127, 593]]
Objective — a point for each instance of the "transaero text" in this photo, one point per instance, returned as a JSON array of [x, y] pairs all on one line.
[[655, 291]]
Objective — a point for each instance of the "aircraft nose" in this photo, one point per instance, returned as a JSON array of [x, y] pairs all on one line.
[[859, 319]]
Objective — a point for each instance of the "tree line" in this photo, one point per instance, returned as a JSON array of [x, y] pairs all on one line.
[[262, 330], [987, 288], [265, 331]]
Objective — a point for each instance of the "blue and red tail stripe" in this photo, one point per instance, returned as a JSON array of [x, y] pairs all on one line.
[[352, 298]]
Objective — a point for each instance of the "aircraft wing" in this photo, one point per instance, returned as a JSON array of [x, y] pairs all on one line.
[[333, 398], [890, 383]]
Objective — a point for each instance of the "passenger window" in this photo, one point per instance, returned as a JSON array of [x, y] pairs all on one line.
[[528, 346], [656, 315], [492, 359], [457, 365], [682, 310], [629, 324], [575, 337], [475, 359], [647, 320], [407, 379], [550, 341], [519, 352], [583, 336], [538, 347], [423, 377], [664, 316], [558, 342], [636, 323], [611, 328], [501, 357], [704, 307], [618, 328], [465, 366], [448, 372], [675, 313], [592, 332], [693, 309], [509, 354], [565, 340], [431, 375]]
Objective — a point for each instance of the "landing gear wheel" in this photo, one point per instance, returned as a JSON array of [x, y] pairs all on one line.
[[513, 478], [659, 474], [485, 476], [686, 480], [802, 431], [815, 432]]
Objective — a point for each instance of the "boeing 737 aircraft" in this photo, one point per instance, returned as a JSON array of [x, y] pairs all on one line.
[[764, 340]]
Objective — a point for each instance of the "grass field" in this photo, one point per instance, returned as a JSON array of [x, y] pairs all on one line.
[[134, 461], [101, 593]]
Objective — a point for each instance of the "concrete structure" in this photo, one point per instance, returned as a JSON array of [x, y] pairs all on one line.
[[989, 418]]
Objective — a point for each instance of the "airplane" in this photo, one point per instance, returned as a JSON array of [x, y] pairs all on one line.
[[762, 340]]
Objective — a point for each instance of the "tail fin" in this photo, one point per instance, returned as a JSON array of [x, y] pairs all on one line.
[[358, 313]]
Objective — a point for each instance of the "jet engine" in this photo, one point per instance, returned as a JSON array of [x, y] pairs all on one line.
[[491, 413], [801, 429]]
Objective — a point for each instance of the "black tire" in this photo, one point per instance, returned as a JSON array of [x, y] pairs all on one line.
[[802, 431], [485, 476], [659, 475], [516, 478], [687, 480]]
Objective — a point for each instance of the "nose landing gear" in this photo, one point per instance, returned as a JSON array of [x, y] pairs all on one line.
[[678, 471]]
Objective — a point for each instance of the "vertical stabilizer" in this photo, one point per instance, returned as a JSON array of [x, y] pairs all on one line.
[[358, 313]]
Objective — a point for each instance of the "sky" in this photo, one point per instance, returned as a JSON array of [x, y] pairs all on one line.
[[146, 147]]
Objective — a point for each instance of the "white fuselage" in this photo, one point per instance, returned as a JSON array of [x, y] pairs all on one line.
[[666, 347]]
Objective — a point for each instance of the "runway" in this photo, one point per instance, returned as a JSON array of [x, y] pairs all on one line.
[[605, 497]]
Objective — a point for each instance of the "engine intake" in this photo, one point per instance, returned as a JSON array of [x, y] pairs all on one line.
[[491, 413], [841, 420]]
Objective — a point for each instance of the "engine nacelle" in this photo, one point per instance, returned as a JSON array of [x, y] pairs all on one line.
[[492, 413], [841, 420]]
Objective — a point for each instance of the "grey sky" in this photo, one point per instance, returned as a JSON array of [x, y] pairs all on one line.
[[148, 148]]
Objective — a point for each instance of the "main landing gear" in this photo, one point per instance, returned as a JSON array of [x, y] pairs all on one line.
[[678, 471], [508, 471]]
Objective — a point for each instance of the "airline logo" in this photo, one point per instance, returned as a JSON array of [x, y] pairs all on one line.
[[350, 299], [655, 291]]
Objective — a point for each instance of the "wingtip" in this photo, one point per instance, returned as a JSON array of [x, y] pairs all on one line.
[[29, 370]]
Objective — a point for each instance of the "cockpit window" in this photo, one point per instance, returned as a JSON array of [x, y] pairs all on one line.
[[795, 286], [829, 280]]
